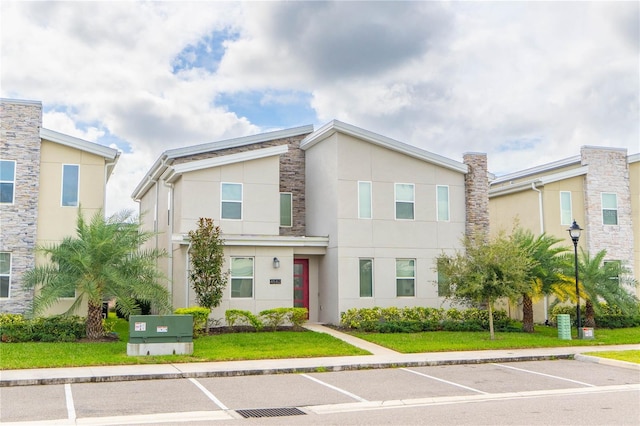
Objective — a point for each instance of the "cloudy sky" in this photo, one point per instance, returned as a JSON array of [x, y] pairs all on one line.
[[525, 82]]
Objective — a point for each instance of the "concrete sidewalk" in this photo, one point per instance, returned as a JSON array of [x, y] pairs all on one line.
[[380, 358]]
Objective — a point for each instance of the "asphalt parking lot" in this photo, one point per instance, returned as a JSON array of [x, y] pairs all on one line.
[[222, 399]]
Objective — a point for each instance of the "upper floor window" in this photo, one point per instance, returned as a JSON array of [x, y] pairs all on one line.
[[609, 209], [566, 214], [7, 181], [366, 277], [242, 277], [404, 200], [443, 203], [286, 209], [70, 185], [405, 277], [364, 200], [5, 274], [231, 201]]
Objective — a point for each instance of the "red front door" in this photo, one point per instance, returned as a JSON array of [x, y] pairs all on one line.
[[301, 283]]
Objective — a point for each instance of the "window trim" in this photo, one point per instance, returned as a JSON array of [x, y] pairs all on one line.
[[8, 275], [290, 194], [413, 202], [77, 201], [448, 219], [12, 182], [570, 217], [406, 278], [360, 203], [241, 202], [371, 284], [602, 194], [252, 277]]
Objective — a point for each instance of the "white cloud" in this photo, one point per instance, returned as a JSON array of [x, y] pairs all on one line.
[[526, 82]]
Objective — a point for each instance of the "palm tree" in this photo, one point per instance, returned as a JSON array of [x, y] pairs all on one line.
[[103, 261], [604, 281], [545, 272]]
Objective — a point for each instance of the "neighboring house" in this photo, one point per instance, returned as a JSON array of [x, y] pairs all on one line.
[[600, 189], [329, 220], [45, 176]]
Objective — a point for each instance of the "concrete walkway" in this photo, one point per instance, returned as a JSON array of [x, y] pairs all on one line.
[[380, 358]]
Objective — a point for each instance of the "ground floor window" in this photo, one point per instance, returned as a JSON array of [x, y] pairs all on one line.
[[366, 277], [405, 277], [5, 274], [241, 277]]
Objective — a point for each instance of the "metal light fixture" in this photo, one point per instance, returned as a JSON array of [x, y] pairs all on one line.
[[574, 232], [276, 263]]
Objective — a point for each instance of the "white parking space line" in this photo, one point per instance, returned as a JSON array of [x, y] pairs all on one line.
[[71, 409], [444, 381], [546, 375], [209, 395], [354, 396]]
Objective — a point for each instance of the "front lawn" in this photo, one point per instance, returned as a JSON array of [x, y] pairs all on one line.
[[543, 337], [628, 356]]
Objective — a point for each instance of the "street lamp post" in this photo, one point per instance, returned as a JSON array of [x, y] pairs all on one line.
[[574, 232]]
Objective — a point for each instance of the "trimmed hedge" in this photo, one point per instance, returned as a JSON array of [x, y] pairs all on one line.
[[200, 318], [416, 319], [271, 318], [606, 316], [15, 328]]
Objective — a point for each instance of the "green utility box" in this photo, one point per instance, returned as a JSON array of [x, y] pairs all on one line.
[[160, 334], [564, 326], [587, 333]]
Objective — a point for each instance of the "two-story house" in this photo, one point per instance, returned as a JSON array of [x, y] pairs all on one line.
[[600, 189], [45, 177], [331, 219]]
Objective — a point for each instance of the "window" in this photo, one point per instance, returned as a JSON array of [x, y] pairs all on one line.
[[405, 277], [443, 203], [231, 201], [566, 215], [613, 269], [70, 184], [5, 274], [609, 209], [7, 181], [364, 200], [404, 200], [241, 277], [444, 285], [366, 277], [286, 210]]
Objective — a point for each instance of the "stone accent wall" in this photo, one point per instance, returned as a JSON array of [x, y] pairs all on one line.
[[292, 175], [608, 172], [20, 123], [476, 183]]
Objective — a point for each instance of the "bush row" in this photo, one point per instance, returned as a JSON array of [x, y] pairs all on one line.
[[15, 328], [606, 317], [415, 319], [270, 318]]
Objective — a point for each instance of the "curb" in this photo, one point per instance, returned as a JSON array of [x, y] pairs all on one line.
[[284, 370], [607, 361]]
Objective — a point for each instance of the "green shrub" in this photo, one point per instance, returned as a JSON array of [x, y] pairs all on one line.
[[58, 328], [298, 316], [238, 317], [274, 318], [200, 318]]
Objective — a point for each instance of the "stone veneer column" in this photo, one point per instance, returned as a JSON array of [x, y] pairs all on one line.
[[292, 179], [20, 123], [608, 172], [476, 183]]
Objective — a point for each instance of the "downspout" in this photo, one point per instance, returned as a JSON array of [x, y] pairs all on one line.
[[170, 239], [106, 178], [186, 278], [540, 209]]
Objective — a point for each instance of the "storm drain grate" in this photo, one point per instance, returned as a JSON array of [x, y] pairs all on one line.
[[271, 412]]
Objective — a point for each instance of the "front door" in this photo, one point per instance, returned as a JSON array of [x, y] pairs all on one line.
[[301, 283]]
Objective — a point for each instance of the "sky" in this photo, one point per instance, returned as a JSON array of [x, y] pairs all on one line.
[[525, 82]]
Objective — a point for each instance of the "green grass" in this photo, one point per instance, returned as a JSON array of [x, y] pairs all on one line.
[[222, 347], [439, 341], [629, 356]]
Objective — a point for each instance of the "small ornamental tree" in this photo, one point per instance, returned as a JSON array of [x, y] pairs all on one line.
[[207, 258]]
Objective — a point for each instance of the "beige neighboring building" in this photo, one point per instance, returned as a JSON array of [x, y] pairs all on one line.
[[331, 219], [45, 176], [600, 189]]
